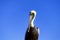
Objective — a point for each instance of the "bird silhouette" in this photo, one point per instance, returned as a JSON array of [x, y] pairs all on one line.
[[32, 32]]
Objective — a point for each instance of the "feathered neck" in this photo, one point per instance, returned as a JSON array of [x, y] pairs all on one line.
[[32, 18]]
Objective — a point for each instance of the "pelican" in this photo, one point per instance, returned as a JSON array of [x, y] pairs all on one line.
[[32, 32]]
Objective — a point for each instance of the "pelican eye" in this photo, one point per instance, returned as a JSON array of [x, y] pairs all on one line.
[[32, 14]]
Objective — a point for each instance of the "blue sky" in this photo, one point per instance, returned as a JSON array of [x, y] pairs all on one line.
[[14, 18]]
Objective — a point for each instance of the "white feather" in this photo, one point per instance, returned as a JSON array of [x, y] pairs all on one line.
[[38, 31]]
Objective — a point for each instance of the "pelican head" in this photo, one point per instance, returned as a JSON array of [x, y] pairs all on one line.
[[33, 12], [32, 17]]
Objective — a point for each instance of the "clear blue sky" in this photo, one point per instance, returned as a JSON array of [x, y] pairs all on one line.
[[14, 17]]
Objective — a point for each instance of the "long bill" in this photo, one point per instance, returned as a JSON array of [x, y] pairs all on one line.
[[31, 20]]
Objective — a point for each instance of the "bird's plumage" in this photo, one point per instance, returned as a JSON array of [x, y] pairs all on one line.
[[32, 32]]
